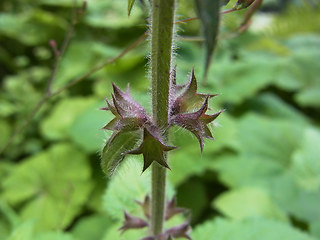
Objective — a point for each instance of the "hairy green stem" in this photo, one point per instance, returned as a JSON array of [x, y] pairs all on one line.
[[161, 43]]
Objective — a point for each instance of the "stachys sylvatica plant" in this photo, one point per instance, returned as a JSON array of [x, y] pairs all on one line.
[[137, 132]]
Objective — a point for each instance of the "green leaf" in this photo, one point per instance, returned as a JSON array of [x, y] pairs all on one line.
[[306, 161], [209, 14], [85, 57], [53, 185], [61, 3], [192, 195], [51, 235], [190, 161], [254, 229], [264, 160], [23, 232], [271, 105], [315, 229], [92, 227], [126, 186], [275, 178], [85, 128], [116, 148], [186, 163], [309, 97], [298, 202], [57, 124], [26, 23], [114, 233], [240, 171], [110, 14], [288, 24], [9, 216], [248, 202], [248, 80], [5, 130], [130, 5], [271, 139], [18, 87]]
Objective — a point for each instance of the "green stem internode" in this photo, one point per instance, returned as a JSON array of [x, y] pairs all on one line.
[[161, 53]]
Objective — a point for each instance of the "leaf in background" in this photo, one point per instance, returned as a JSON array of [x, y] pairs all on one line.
[[23, 231], [127, 185], [265, 160], [262, 229], [315, 229], [242, 79], [114, 234], [271, 105], [306, 161], [309, 97], [130, 5], [247, 202], [5, 130], [190, 161], [110, 14], [18, 87], [9, 219], [275, 140], [192, 195], [288, 24], [240, 171], [92, 227], [24, 25], [63, 115], [58, 3], [114, 151], [290, 197], [85, 129], [186, 163], [53, 235], [209, 14], [53, 185]]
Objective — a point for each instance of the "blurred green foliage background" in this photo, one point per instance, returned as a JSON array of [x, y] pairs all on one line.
[[260, 178]]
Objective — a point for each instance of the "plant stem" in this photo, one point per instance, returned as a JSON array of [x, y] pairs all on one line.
[[161, 43], [158, 198]]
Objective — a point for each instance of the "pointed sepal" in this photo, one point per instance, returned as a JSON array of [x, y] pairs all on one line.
[[148, 238], [131, 222], [129, 115], [125, 104], [172, 209], [180, 231], [196, 122], [173, 81], [109, 107], [152, 148], [146, 206], [124, 124], [189, 99]]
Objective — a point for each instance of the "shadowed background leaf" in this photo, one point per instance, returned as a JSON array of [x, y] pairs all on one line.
[[209, 14]]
